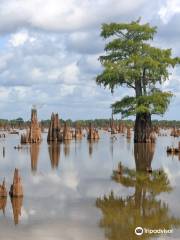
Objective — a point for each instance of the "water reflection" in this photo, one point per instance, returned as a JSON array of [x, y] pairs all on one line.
[[54, 154], [34, 152], [121, 215], [70, 192], [3, 201], [174, 155], [16, 206], [143, 155], [91, 143], [112, 140], [67, 147], [4, 152]]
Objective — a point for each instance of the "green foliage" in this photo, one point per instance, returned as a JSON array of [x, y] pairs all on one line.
[[133, 31], [155, 103], [156, 183], [131, 61]]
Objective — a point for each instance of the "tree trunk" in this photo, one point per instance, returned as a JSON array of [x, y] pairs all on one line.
[[142, 128], [143, 155]]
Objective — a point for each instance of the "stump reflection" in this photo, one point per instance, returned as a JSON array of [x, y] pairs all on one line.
[[54, 154], [34, 153], [16, 206]]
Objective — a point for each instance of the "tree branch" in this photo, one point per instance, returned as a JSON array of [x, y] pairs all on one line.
[[130, 85], [120, 32]]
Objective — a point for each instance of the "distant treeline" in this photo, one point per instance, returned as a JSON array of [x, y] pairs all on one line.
[[20, 123]]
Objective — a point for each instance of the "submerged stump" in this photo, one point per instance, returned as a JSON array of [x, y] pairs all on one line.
[[54, 132], [33, 134], [92, 133], [16, 189], [3, 191], [67, 133]]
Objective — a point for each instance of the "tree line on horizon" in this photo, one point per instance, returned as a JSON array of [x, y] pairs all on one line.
[[100, 123]]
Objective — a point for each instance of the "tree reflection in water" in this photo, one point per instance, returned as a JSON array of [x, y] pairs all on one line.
[[143, 155], [16, 206], [34, 153], [91, 143], [67, 147], [122, 215], [3, 201], [54, 154]]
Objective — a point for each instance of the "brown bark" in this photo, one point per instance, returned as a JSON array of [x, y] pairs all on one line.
[[54, 132], [142, 129], [143, 154]]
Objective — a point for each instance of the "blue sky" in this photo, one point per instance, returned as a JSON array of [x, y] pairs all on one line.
[[49, 54]]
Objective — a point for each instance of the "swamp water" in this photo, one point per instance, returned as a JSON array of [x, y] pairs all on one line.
[[72, 193]]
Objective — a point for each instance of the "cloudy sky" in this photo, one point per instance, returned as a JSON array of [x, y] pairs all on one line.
[[49, 54]]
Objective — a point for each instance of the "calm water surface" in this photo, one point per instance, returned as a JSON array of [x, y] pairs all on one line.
[[69, 192]]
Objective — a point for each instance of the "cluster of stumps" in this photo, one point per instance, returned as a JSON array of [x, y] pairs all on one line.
[[175, 132], [59, 134], [15, 193], [16, 189], [56, 132]]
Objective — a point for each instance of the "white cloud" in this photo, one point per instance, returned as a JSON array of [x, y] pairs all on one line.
[[71, 73], [5, 57], [4, 94], [20, 38], [53, 74], [55, 15], [68, 178], [169, 9], [50, 49], [24, 215], [65, 90], [36, 73]]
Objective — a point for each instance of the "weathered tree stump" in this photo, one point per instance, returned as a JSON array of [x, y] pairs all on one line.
[[3, 191], [16, 189], [54, 132]]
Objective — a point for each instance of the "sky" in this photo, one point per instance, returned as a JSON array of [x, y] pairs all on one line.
[[49, 53]]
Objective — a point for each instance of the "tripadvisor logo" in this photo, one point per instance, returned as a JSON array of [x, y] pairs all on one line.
[[139, 231]]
